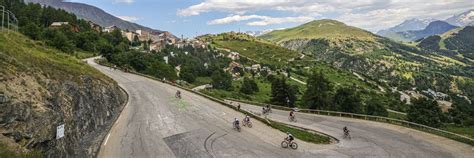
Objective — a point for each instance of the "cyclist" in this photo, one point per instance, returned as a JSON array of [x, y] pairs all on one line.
[[247, 119], [292, 114], [178, 94], [236, 123], [346, 132], [289, 138]]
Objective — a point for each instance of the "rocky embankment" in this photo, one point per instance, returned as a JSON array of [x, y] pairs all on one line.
[[32, 106]]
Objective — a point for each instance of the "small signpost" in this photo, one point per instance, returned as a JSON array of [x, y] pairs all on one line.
[[60, 131]]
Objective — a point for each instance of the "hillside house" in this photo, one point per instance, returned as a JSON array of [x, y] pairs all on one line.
[[234, 56], [234, 67], [256, 67], [110, 29], [94, 26], [58, 24]]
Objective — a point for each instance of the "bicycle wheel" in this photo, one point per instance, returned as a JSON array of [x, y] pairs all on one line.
[[294, 145], [284, 144], [249, 125]]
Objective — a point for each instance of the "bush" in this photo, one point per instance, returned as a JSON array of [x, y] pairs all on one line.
[[426, 112]]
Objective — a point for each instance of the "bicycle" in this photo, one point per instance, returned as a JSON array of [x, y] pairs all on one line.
[[292, 119], [347, 135], [247, 124], [236, 127], [285, 143]]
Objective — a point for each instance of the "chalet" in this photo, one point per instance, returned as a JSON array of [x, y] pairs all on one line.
[[234, 56], [129, 35], [58, 24], [234, 67], [256, 67], [110, 29], [94, 26]]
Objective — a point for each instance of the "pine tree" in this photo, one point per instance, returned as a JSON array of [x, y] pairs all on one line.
[[318, 92]]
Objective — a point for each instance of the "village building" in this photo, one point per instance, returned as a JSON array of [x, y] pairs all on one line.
[[256, 67], [234, 56], [94, 26], [58, 24], [110, 29], [234, 67]]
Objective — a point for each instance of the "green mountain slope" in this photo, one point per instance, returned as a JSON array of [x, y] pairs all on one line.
[[380, 59], [457, 43], [276, 57], [329, 29]]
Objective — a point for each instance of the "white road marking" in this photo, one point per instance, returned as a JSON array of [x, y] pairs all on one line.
[[106, 139]]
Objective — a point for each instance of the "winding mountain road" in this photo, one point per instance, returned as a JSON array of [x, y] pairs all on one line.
[[373, 139], [156, 124]]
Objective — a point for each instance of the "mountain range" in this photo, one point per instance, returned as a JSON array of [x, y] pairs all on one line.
[[93, 14], [463, 19], [412, 29], [407, 25], [434, 28], [378, 58]]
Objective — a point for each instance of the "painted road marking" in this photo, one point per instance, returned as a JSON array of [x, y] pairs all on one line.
[[106, 139]]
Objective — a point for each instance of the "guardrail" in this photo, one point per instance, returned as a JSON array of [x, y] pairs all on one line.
[[439, 132], [10, 19]]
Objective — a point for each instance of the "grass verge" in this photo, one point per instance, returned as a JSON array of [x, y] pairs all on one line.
[[301, 134]]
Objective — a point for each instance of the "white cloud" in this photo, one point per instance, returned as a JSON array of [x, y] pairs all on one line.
[[235, 18], [280, 20], [129, 18], [368, 14], [261, 20], [124, 1]]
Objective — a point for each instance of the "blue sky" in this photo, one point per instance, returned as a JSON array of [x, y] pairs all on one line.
[[191, 17]]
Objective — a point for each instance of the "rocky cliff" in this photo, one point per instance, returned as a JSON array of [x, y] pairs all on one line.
[[41, 89]]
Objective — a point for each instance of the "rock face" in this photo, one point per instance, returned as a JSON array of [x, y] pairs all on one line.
[[36, 105]]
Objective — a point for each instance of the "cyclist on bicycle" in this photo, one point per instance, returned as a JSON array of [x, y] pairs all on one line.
[[178, 94], [247, 119], [292, 114], [236, 123], [289, 138]]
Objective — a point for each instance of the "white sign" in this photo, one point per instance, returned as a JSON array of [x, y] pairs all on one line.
[[60, 131]]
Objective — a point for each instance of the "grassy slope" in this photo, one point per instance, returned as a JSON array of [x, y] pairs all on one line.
[[261, 52], [264, 52], [319, 29], [20, 54]]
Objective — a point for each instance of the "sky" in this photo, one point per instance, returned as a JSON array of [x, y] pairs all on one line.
[[197, 17]]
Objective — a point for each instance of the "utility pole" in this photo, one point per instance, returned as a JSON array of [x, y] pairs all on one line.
[[8, 22], [3, 15]]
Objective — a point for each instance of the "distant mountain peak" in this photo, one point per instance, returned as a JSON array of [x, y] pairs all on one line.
[[463, 19], [407, 25]]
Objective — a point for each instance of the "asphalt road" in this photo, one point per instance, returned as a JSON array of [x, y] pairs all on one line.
[[156, 124], [374, 139]]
